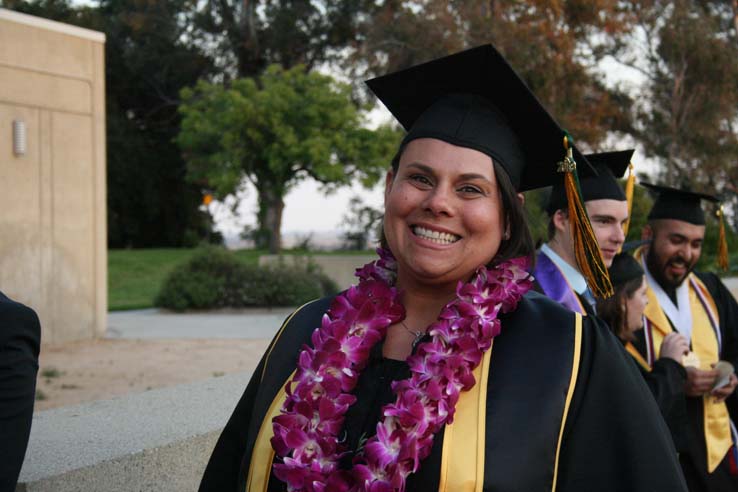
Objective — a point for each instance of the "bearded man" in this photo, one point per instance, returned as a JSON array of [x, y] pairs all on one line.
[[699, 307]]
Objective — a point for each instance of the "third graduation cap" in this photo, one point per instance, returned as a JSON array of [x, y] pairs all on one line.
[[610, 166], [475, 99], [675, 203]]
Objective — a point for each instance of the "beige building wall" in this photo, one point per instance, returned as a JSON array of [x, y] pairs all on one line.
[[53, 238]]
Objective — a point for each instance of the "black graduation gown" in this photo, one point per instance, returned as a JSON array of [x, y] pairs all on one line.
[[666, 381], [685, 415], [20, 338], [613, 440]]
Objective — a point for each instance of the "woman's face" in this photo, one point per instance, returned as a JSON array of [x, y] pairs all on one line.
[[635, 305], [443, 212]]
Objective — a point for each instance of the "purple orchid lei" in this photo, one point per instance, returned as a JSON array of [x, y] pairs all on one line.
[[306, 431]]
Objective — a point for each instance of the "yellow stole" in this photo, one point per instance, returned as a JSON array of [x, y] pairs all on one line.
[[705, 346], [462, 459]]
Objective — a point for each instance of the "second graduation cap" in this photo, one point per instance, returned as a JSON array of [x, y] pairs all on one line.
[[475, 99], [624, 267], [679, 204], [610, 166]]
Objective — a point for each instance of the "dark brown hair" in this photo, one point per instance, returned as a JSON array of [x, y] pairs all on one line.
[[614, 309], [520, 242]]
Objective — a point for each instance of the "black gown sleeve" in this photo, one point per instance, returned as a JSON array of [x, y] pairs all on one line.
[[666, 382], [222, 471], [614, 437], [20, 339]]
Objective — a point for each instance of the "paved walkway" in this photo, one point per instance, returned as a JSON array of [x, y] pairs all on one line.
[[247, 324], [158, 324]]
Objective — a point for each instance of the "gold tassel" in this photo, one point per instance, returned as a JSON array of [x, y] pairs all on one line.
[[629, 188], [587, 251], [722, 241]]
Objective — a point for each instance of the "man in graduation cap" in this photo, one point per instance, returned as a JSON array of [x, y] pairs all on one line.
[[557, 271], [700, 307], [541, 410]]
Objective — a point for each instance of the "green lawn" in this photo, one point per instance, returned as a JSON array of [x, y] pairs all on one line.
[[135, 275]]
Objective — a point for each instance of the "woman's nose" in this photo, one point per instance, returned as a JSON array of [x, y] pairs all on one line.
[[440, 201]]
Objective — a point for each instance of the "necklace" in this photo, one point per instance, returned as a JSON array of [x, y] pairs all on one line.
[[306, 441], [418, 335]]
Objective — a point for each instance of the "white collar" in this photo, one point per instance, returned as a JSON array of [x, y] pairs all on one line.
[[572, 275], [680, 316]]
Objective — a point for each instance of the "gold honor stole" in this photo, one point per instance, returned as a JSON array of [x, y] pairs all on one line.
[[706, 345], [462, 459]]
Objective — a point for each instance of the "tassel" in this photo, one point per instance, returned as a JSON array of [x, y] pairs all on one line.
[[587, 251], [722, 241], [629, 188]]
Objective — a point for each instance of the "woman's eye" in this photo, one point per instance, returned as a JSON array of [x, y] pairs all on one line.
[[468, 189], [419, 178]]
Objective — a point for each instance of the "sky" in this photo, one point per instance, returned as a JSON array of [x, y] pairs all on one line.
[[307, 209]]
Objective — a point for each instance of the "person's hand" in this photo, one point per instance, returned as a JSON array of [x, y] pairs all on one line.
[[674, 346], [726, 390], [699, 382]]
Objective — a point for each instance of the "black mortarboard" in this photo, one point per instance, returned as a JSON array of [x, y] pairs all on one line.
[[624, 267], [674, 203], [610, 166], [475, 99]]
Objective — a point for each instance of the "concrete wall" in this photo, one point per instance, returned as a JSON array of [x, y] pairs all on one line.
[[53, 246]]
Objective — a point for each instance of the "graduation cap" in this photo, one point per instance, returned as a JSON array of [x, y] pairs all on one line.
[[475, 99], [679, 204], [686, 205], [610, 166], [624, 267]]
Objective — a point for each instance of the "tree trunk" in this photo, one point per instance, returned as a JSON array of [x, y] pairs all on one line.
[[271, 206], [249, 51], [735, 17]]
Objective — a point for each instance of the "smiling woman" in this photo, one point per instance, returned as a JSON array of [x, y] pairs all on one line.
[[443, 213], [507, 390]]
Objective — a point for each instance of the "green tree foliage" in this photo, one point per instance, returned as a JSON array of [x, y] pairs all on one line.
[[149, 201], [275, 131]]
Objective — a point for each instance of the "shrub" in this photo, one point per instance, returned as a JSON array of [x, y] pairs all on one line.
[[199, 283], [215, 278]]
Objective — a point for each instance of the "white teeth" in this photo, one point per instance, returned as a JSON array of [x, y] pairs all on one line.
[[435, 236]]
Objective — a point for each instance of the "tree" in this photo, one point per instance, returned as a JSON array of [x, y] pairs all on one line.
[[687, 116], [554, 45], [248, 35], [274, 131], [362, 223]]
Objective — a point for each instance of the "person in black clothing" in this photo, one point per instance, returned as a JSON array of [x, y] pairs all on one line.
[[623, 313], [540, 409], [20, 339], [699, 307]]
